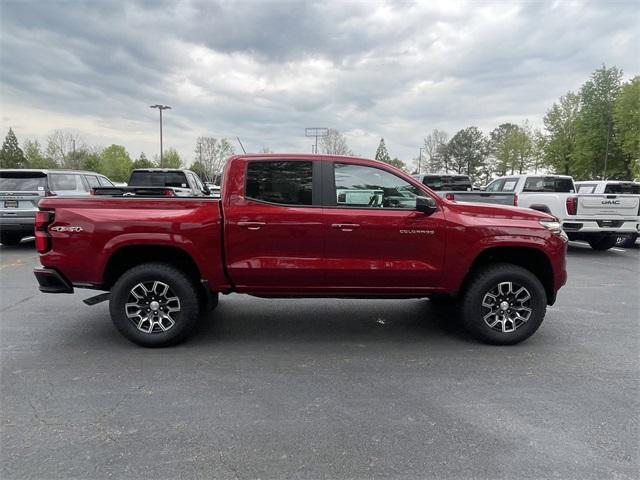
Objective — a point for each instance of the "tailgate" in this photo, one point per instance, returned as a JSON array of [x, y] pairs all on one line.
[[608, 205]]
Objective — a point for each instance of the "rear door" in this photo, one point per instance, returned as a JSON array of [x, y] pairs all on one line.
[[273, 226], [375, 238]]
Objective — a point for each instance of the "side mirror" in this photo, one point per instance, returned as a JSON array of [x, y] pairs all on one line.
[[206, 190], [426, 205]]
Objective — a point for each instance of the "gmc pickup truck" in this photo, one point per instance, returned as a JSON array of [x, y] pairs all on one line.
[[301, 226], [599, 219]]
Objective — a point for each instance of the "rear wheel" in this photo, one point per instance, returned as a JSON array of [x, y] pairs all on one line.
[[603, 243], [503, 304], [154, 305], [10, 238]]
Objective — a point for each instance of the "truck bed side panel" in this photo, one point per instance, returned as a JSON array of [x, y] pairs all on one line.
[[109, 224]]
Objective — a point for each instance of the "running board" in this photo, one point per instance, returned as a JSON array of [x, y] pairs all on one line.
[[97, 299]]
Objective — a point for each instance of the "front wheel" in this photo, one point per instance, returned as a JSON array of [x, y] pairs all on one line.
[[154, 305], [627, 242], [603, 243], [503, 304]]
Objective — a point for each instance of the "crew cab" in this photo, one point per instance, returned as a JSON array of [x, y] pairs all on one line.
[[301, 226], [458, 187], [184, 183], [22, 189], [598, 218]]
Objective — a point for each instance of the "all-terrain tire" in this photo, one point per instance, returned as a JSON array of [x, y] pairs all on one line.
[[155, 305], [488, 280]]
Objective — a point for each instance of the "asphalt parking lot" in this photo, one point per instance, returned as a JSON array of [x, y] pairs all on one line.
[[323, 388]]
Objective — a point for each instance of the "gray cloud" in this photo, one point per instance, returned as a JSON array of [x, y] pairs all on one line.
[[265, 70]]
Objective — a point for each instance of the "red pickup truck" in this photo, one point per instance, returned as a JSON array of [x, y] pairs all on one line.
[[301, 226]]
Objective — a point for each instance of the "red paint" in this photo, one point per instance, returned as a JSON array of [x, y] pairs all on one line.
[[275, 250]]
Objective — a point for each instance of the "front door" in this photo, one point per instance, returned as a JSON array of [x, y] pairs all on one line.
[[376, 241], [273, 227]]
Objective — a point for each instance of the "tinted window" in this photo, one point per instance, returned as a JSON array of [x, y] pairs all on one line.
[[457, 183], [361, 186], [92, 180], [280, 182], [65, 181], [22, 181], [158, 179], [622, 188], [548, 184]]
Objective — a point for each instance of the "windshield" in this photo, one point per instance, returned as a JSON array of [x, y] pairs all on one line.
[[158, 179], [22, 181]]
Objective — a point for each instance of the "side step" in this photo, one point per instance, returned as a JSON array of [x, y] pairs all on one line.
[[91, 301]]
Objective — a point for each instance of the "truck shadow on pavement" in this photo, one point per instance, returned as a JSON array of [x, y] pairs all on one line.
[[244, 319]]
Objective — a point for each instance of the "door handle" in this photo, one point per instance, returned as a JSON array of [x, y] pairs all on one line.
[[345, 227], [252, 225]]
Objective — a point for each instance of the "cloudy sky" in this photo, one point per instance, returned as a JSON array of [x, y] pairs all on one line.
[[265, 70]]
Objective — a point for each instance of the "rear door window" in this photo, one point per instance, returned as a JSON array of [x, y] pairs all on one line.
[[509, 184], [22, 181], [284, 182], [66, 182], [92, 180]]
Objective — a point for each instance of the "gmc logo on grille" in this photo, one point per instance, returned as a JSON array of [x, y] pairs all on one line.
[[610, 202]]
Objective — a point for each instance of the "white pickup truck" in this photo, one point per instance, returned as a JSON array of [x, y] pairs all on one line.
[[613, 186], [596, 218]]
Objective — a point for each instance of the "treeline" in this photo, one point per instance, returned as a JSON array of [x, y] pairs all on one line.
[[69, 151], [590, 134]]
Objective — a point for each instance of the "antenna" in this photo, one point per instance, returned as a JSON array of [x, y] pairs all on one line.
[[241, 146]]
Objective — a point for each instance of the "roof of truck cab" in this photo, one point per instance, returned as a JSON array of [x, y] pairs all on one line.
[[605, 182]]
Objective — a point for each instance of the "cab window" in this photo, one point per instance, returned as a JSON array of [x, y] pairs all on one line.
[[360, 186], [284, 182], [587, 188], [495, 186]]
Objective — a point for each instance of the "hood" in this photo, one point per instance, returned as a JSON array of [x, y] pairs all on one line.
[[485, 210]]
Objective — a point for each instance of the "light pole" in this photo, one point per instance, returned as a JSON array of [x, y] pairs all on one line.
[[316, 132], [420, 160], [160, 108]]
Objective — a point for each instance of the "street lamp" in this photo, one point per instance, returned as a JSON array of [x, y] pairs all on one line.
[[160, 108]]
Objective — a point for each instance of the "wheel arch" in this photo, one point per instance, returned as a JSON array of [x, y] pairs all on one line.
[[529, 258], [128, 256]]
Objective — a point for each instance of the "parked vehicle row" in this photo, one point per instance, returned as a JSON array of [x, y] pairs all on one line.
[[301, 226], [22, 189], [596, 217], [459, 188]]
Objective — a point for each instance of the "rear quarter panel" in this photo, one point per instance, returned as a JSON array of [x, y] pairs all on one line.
[[108, 224]]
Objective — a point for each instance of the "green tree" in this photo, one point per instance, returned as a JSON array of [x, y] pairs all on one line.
[[432, 159], [142, 162], [171, 159], [116, 163], [501, 145], [468, 150], [396, 162], [11, 155], [92, 161], [382, 155], [596, 153], [213, 153], [560, 123], [626, 117], [34, 156], [199, 169]]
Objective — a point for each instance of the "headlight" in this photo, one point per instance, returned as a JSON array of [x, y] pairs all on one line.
[[555, 227]]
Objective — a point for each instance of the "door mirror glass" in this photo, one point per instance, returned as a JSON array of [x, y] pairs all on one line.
[[426, 205]]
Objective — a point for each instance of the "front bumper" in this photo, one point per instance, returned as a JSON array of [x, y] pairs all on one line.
[[52, 281]]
